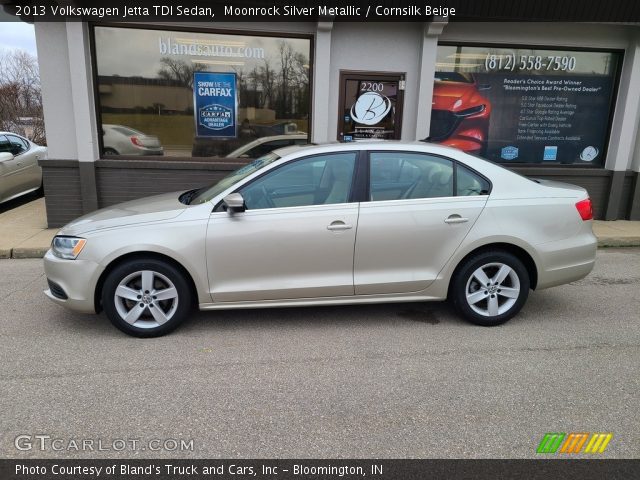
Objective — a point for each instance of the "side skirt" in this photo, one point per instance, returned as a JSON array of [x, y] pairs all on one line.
[[310, 302]]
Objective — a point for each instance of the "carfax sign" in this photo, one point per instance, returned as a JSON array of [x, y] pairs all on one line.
[[214, 98]]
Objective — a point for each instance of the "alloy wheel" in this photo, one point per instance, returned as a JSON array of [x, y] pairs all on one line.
[[146, 299], [492, 289]]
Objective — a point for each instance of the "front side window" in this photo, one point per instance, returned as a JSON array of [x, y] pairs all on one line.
[[18, 146], [402, 175], [317, 180], [5, 145]]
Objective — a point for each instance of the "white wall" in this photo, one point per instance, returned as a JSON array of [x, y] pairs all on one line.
[[53, 61], [361, 46]]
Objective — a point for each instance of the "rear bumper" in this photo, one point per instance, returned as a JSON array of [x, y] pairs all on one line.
[[566, 260], [75, 279]]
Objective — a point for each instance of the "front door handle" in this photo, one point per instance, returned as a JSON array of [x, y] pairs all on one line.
[[455, 218], [338, 225]]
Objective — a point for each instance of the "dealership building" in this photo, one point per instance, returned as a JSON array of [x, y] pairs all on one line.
[[558, 101]]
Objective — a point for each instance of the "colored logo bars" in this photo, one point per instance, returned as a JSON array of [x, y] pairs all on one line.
[[573, 443]]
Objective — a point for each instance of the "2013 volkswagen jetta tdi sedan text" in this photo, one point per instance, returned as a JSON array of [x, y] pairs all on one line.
[[328, 225]]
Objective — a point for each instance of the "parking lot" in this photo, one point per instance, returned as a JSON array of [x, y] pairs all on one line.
[[385, 381]]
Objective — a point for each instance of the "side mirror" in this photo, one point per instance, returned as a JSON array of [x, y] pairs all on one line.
[[6, 156], [234, 203], [484, 86]]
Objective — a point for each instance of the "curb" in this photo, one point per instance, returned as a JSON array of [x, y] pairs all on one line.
[[19, 252], [607, 242], [34, 252]]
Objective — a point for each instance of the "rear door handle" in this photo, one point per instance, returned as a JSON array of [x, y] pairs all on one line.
[[338, 225], [455, 218]]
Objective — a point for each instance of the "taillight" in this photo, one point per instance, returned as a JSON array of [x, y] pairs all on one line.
[[136, 141], [585, 209]]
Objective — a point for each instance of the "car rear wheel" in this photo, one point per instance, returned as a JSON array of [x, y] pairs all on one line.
[[110, 152], [490, 288], [146, 298]]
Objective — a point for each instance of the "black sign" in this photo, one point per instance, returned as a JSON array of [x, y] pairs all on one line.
[[523, 105]]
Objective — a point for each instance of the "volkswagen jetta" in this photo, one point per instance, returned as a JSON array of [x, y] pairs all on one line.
[[328, 225]]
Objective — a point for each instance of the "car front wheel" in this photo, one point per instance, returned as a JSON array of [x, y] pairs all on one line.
[[490, 288], [146, 298]]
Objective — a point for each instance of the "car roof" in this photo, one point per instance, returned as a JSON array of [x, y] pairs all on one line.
[[369, 145]]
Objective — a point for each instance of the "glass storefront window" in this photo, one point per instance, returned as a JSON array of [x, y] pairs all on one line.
[[184, 94], [525, 105]]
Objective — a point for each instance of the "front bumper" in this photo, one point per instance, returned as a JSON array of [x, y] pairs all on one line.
[[75, 279]]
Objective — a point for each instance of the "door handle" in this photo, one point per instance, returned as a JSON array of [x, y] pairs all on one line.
[[455, 218], [338, 225]]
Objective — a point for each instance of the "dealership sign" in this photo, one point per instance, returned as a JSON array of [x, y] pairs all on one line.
[[524, 105], [214, 98]]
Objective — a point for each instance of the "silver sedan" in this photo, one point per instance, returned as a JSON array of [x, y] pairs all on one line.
[[328, 225], [19, 169]]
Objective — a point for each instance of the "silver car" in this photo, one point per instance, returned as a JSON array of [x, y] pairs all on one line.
[[328, 225], [264, 145], [123, 140], [19, 170]]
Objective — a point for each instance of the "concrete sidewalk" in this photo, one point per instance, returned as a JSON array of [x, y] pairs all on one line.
[[24, 232]]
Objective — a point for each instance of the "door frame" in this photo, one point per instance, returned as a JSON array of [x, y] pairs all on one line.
[[374, 76]]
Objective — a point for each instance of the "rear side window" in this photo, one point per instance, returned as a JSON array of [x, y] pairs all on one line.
[[406, 175], [410, 175], [470, 183]]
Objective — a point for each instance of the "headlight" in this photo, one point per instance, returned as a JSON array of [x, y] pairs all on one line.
[[67, 247], [470, 111]]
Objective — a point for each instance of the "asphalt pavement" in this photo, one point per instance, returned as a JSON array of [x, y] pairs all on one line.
[[385, 381]]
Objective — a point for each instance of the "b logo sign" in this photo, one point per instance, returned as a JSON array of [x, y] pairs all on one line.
[[370, 108]]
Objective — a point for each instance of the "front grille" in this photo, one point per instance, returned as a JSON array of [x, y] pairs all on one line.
[[56, 290], [443, 124]]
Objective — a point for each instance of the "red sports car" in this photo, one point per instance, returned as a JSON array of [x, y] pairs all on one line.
[[460, 114]]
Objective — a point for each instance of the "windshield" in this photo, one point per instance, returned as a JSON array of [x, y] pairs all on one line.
[[234, 177]]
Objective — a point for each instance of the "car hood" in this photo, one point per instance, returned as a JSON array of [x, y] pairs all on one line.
[[144, 210]]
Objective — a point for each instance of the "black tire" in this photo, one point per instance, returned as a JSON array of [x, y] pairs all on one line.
[[165, 276], [110, 152], [509, 301]]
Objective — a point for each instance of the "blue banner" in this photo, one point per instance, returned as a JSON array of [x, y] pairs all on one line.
[[214, 99]]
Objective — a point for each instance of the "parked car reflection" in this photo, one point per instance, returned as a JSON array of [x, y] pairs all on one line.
[[19, 170], [123, 140]]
